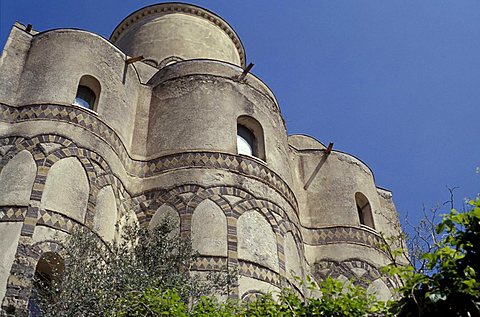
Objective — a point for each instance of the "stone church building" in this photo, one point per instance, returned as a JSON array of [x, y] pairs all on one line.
[[165, 118]]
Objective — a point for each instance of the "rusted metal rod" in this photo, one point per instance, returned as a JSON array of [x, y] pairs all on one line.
[[329, 148], [245, 72], [134, 59]]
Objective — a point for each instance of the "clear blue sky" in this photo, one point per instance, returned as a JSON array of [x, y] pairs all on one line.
[[395, 83]]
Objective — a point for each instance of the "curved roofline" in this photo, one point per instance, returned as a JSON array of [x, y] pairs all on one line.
[[83, 31], [384, 189], [235, 67], [308, 136], [92, 34], [336, 151], [359, 160], [173, 7]]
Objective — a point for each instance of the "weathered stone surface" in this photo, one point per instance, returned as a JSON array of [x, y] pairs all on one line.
[[48, 234], [16, 180], [247, 284], [167, 30], [48, 148], [105, 213], [66, 189], [293, 263], [209, 229], [380, 290], [256, 240], [10, 233]]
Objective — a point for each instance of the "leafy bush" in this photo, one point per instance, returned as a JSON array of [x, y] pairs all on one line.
[[338, 299], [101, 278], [450, 284]]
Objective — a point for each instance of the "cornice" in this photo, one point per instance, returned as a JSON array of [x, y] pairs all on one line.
[[176, 7]]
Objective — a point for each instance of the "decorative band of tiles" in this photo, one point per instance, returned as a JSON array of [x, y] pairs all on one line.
[[210, 263], [12, 213], [55, 220], [357, 270], [256, 271], [89, 121], [339, 234], [245, 268], [63, 113], [233, 163]]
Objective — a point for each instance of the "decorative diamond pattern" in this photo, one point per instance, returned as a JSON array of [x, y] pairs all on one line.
[[55, 220], [229, 162], [256, 271], [12, 213], [145, 169], [209, 263], [339, 234]]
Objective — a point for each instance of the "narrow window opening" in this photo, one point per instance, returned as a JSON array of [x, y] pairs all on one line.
[[245, 141], [46, 281], [364, 210], [88, 93], [250, 140], [360, 215], [85, 97]]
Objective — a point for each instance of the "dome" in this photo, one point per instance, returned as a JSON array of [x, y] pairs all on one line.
[[168, 32]]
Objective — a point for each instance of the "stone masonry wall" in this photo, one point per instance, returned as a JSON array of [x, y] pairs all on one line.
[[162, 143]]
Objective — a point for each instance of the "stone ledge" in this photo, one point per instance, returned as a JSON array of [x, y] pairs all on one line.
[[342, 234]]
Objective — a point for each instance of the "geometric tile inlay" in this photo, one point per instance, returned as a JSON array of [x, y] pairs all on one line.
[[209, 263], [12, 213], [245, 268], [256, 271], [55, 220], [242, 165], [339, 234]]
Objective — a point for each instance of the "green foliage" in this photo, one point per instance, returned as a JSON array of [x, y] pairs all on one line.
[[450, 285], [345, 300], [146, 273], [151, 302], [99, 278], [211, 307], [338, 299]]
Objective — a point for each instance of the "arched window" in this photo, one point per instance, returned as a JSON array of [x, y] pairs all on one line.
[[250, 137], [85, 97], [46, 282], [364, 210], [88, 92], [245, 141]]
